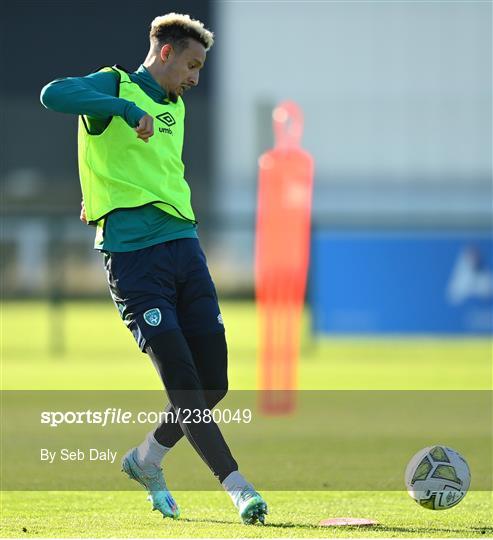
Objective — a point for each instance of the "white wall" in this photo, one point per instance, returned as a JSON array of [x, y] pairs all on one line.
[[394, 91]]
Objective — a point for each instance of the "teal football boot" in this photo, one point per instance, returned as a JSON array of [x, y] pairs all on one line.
[[251, 506], [151, 477]]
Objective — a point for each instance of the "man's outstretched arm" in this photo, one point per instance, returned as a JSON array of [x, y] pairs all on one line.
[[93, 95]]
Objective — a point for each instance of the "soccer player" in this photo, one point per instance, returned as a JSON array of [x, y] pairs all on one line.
[[130, 141]]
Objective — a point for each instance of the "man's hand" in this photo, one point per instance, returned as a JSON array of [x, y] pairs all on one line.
[[145, 129], [83, 216]]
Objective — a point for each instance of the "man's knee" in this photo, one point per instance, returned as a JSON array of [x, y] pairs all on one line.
[[213, 397], [210, 355], [173, 360]]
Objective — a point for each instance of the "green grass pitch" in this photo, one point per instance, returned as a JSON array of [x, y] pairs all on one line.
[[99, 353]]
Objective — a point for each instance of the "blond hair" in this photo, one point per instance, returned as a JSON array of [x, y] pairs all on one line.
[[176, 29]]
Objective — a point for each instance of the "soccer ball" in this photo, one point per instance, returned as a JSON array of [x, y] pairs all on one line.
[[437, 477]]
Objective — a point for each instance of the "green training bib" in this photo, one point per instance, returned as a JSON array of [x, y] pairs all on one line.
[[118, 170]]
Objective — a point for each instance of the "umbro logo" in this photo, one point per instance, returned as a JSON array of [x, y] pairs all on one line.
[[166, 118]]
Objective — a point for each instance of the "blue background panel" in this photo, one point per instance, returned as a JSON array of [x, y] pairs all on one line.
[[423, 282]]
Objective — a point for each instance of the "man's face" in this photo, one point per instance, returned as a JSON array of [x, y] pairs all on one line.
[[181, 68]]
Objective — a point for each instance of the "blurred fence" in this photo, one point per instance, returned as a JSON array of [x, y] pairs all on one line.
[[49, 254]]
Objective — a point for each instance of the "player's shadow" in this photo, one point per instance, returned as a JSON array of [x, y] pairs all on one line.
[[288, 525], [208, 520]]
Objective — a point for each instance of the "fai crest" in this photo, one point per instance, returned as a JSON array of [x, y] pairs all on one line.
[[152, 317]]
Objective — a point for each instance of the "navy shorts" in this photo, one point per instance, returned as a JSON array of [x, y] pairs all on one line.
[[164, 287]]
